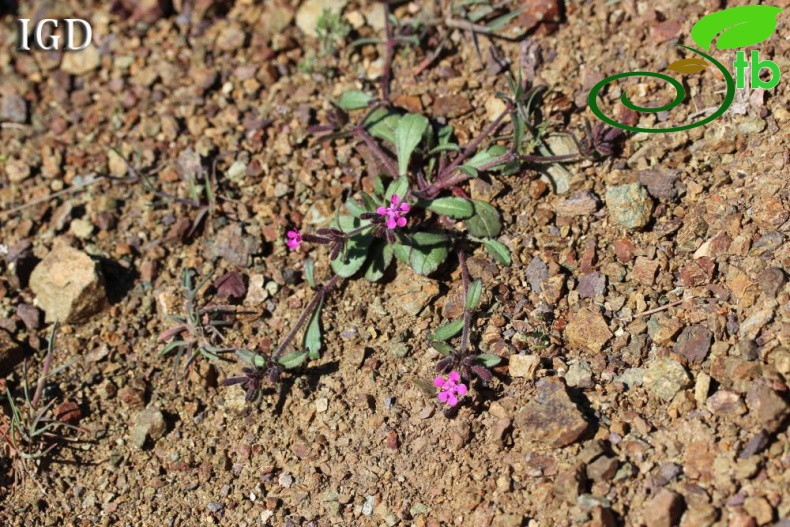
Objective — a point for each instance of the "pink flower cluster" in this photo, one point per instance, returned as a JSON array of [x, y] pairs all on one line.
[[450, 389], [395, 212], [294, 238]]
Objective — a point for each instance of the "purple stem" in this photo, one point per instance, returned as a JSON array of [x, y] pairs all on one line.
[[308, 311]]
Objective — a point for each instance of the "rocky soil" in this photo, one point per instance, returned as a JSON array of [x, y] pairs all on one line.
[[645, 320]]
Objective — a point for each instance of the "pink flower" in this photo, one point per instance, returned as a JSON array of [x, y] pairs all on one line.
[[294, 238], [395, 212], [450, 389]]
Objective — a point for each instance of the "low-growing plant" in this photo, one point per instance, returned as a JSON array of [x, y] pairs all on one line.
[[197, 332], [418, 213], [28, 430]]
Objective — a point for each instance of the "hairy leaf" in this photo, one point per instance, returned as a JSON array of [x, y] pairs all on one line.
[[448, 331], [408, 135], [456, 208]]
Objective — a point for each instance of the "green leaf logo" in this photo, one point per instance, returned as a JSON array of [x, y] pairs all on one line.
[[739, 26]]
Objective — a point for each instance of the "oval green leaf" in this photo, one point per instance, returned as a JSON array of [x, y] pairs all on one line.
[[456, 208], [739, 26], [485, 222]]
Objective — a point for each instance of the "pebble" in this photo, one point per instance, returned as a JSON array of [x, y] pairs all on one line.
[[537, 272], [580, 204], [644, 270], [69, 286], [451, 106], [30, 316], [659, 183], [367, 507], [16, 171], [726, 403], [579, 375], [662, 328], [632, 377], [754, 323], [602, 469], [13, 108], [81, 62], [665, 377], [231, 38], [766, 406], [664, 509], [587, 330], [523, 366], [694, 343], [629, 205], [494, 108], [591, 285], [321, 405], [256, 292], [411, 293], [552, 417], [232, 245], [150, 423]]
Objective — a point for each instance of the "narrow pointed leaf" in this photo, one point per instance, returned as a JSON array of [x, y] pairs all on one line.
[[488, 360], [498, 251], [448, 331], [312, 335], [473, 296]]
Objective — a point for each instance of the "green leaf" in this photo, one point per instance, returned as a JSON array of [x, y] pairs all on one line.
[[739, 26], [426, 252], [354, 100], [442, 347], [456, 208], [469, 171], [356, 247], [309, 272], [170, 347], [488, 360], [251, 358], [498, 251], [445, 135], [448, 331], [355, 208], [293, 360], [452, 147], [485, 223], [486, 156], [381, 253], [312, 335], [408, 135], [399, 187], [382, 123], [473, 295], [378, 186], [370, 202]]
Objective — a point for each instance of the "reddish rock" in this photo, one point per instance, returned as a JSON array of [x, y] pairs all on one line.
[[694, 343], [624, 249], [697, 272], [452, 106], [664, 509], [587, 330], [644, 270]]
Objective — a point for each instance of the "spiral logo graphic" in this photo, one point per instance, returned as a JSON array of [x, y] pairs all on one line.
[[739, 27]]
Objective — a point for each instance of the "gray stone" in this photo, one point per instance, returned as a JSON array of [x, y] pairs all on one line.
[[13, 108], [150, 423], [629, 205], [579, 375]]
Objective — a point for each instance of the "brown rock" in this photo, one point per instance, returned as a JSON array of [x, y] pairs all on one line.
[[69, 285], [602, 517], [664, 509], [544, 14], [767, 407], [591, 285], [726, 403], [553, 288], [694, 343], [644, 270], [451, 106], [523, 365], [662, 328], [68, 412], [587, 330], [659, 183], [411, 293], [552, 417], [697, 272], [569, 484], [666, 30], [624, 249], [759, 509], [771, 281], [580, 204], [602, 469], [770, 212]]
